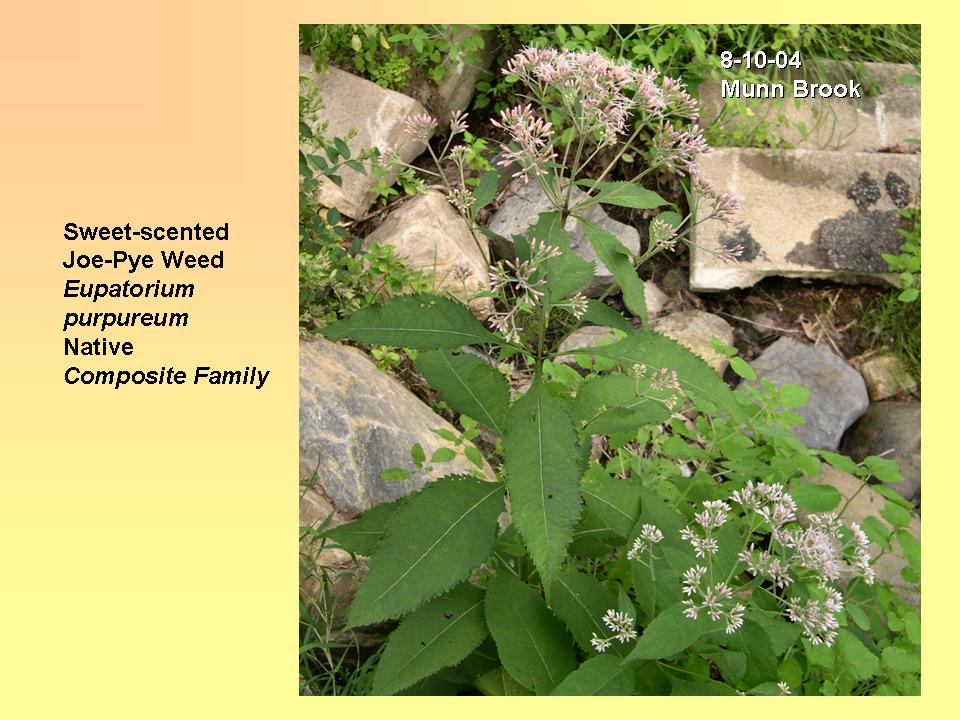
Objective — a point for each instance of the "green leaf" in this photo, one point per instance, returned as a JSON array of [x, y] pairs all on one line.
[[442, 454], [361, 536], [599, 313], [439, 634], [566, 274], [580, 601], [840, 462], [432, 542], [782, 634], [423, 322], [485, 192], [816, 498], [741, 368], [418, 455], [468, 384], [499, 682], [615, 501], [541, 452], [898, 660], [610, 403], [855, 657], [793, 396], [669, 633], [623, 194], [697, 378], [531, 642], [895, 514], [600, 675], [753, 642], [395, 474], [619, 262], [883, 469]]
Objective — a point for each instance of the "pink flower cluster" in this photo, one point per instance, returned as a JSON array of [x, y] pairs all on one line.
[[532, 136]]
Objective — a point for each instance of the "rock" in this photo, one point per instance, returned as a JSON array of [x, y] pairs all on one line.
[[589, 336], [865, 503], [455, 90], [429, 235], [892, 430], [806, 214], [885, 119], [885, 377], [693, 329], [675, 281], [655, 299], [377, 114], [355, 422], [838, 395], [522, 208]]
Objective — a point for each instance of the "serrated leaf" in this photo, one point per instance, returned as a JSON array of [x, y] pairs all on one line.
[[898, 660], [610, 403], [395, 474], [361, 536], [442, 454], [619, 262], [438, 635], [468, 384], [600, 675], [532, 643], [855, 657], [783, 635], [623, 194], [696, 377], [498, 682], [761, 661], [816, 498], [542, 463], [423, 322], [615, 501], [883, 469], [432, 542], [793, 396], [599, 313], [580, 601], [669, 633]]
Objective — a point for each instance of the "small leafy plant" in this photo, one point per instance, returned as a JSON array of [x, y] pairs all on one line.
[[649, 531]]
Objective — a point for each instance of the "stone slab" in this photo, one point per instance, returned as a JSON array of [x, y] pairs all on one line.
[[429, 235], [377, 114], [806, 214], [887, 115]]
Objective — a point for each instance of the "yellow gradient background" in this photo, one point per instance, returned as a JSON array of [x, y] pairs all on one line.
[[148, 559]]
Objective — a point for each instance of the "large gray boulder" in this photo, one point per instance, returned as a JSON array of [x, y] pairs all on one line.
[[890, 429], [522, 208], [429, 235], [378, 116], [355, 422], [806, 214], [885, 118], [838, 395]]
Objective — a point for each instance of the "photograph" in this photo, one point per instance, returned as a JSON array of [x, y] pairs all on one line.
[[609, 359]]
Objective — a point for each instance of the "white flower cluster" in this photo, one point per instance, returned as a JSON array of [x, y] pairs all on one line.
[[650, 535], [712, 517], [622, 627], [818, 617], [716, 600]]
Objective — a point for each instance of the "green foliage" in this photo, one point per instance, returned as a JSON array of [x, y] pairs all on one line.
[[532, 643], [650, 543], [423, 321], [435, 636], [894, 317], [431, 542], [542, 466]]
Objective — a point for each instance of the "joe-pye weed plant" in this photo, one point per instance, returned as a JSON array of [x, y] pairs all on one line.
[[674, 561]]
